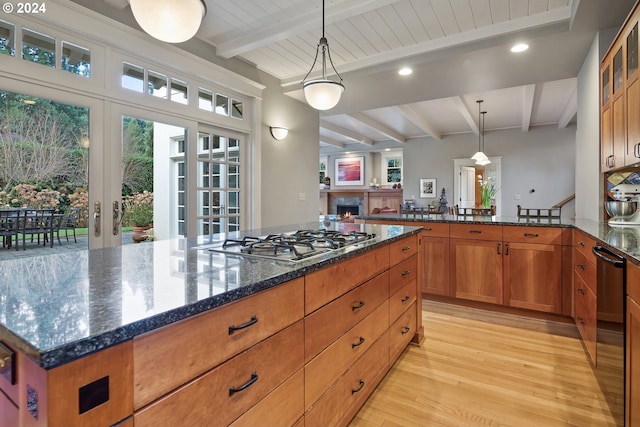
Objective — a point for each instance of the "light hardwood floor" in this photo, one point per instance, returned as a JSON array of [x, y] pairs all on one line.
[[477, 368]]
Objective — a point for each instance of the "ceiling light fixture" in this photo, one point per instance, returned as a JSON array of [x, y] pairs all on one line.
[[322, 94], [405, 71], [170, 21], [479, 156], [278, 132], [520, 47]]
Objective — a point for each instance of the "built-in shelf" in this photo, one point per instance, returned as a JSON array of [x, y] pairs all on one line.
[[368, 199]]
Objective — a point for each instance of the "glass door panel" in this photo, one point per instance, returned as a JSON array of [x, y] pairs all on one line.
[[153, 181], [44, 175]]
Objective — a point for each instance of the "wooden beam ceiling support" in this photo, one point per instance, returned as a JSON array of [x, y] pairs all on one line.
[[298, 24], [466, 114], [569, 111], [528, 93], [118, 4], [331, 141], [349, 134], [414, 117], [378, 127]]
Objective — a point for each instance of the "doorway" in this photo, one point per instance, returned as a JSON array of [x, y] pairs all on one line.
[[465, 182]]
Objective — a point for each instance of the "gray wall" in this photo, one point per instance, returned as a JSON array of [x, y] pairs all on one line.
[[541, 159], [289, 168]]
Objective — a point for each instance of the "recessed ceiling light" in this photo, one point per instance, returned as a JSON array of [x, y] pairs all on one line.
[[520, 47], [405, 71], [387, 149]]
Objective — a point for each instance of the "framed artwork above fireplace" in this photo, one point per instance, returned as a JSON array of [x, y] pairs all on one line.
[[349, 171]]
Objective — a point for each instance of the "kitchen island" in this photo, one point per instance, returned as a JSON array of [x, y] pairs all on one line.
[[170, 332]]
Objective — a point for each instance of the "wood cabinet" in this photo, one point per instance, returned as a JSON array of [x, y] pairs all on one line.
[[620, 99], [585, 291], [435, 258], [632, 371], [384, 199], [518, 266]]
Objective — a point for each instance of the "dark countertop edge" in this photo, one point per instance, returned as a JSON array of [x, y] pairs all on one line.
[[59, 356]]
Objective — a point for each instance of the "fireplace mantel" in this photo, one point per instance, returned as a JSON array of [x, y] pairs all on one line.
[[371, 198]]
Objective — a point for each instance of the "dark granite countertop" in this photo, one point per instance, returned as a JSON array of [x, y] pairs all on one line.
[[623, 240], [60, 307]]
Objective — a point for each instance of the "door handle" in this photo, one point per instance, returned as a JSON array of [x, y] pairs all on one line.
[[117, 217], [96, 219], [636, 150]]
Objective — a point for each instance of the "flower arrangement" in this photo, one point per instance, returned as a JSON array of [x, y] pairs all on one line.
[[487, 191], [138, 209]]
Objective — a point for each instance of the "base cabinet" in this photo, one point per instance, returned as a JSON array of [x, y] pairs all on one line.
[[435, 259], [632, 369], [8, 412]]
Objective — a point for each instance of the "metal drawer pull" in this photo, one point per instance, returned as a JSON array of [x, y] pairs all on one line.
[[406, 273], [506, 249], [359, 343], [498, 248], [581, 320], [406, 248], [581, 266], [357, 389], [254, 378], [355, 307], [581, 291], [530, 234], [581, 244], [475, 231], [428, 229], [405, 299], [233, 328], [405, 330]]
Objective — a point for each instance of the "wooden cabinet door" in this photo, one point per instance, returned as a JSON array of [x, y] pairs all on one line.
[[632, 152], [8, 412], [435, 265], [619, 132], [533, 276], [632, 403], [476, 270]]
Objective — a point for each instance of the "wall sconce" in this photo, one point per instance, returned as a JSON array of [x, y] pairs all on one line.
[[278, 133]]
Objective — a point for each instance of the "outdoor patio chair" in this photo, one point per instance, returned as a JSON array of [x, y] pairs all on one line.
[[9, 221], [69, 222], [37, 222]]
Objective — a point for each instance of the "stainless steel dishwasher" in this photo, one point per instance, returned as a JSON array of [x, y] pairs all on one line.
[[610, 333]]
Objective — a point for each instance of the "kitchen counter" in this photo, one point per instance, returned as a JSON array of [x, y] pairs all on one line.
[[624, 240], [61, 307]]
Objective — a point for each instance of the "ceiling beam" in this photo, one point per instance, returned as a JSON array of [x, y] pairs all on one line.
[[298, 24], [378, 127], [331, 141], [349, 134], [528, 93], [569, 111], [466, 114], [118, 4], [414, 117]]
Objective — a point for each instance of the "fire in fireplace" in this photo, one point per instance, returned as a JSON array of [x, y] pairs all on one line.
[[347, 210]]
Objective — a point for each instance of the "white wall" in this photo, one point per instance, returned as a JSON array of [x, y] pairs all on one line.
[[541, 159], [588, 189], [289, 168]]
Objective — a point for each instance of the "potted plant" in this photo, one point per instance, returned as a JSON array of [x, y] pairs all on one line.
[[138, 213]]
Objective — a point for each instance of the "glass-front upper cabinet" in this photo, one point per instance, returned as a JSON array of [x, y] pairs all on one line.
[[606, 85], [632, 52], [618, 75]]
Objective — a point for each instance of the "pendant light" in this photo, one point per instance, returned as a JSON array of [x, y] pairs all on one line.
[[171, 21], [322, 94], [479, 156]]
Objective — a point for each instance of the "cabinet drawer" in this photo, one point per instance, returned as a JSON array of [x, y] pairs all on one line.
[[525, 234], [403, 249], [585, 315], [206, 340], [584, 244], [341, 402], [401, 332], [287, 398], [476, 232], [325, 285], [325, 325], [633, 281], [434, 229], [326, 368], [259, 370], [585, 269], [401, 300], [403, 273]]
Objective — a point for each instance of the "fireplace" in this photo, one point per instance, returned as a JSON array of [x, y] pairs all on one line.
[[350, 209]]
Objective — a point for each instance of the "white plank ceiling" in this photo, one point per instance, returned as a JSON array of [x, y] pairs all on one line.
[[368, 38]]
